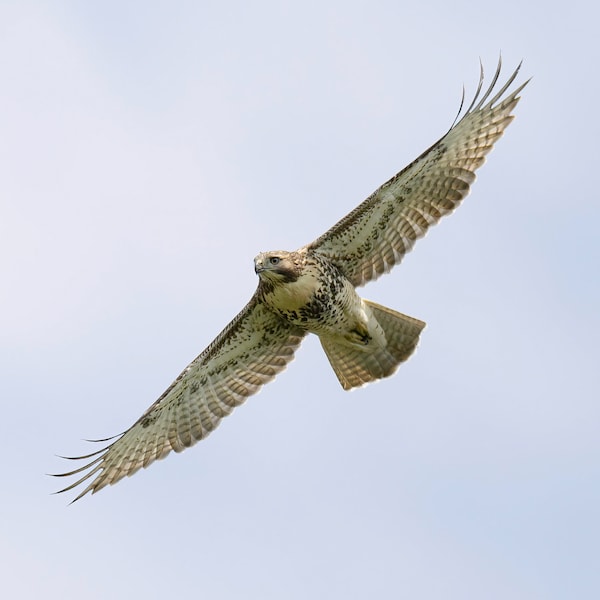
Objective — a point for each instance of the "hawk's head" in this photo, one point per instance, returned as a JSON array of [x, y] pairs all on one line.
[[278, 266]]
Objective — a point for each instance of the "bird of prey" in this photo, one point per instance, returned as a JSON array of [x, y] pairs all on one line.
[[312, 290]]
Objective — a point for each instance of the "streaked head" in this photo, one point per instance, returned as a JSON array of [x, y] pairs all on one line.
[[278, 266]]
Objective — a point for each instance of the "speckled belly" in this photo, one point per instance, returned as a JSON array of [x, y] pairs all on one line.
[[334, 310]]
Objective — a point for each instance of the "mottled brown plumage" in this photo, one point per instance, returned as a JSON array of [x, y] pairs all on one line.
[[312, 290]]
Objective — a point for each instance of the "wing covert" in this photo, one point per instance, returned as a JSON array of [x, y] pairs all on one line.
[[248, 353], [377, 234]]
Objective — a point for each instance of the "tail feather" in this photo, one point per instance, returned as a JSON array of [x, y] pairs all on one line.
[[357, 365]]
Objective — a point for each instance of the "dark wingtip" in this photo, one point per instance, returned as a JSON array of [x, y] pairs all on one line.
[[92, 467]]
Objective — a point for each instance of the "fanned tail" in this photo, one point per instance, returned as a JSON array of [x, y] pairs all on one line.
[[358, 365]]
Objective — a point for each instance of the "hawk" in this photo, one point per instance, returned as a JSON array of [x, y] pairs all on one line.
[[313, 290]]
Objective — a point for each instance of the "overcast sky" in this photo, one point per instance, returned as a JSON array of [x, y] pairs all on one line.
[[148, 151]]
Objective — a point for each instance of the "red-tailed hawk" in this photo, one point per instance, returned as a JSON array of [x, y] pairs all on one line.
[[312, 290]]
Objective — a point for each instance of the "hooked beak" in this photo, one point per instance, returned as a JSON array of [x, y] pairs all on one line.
[[259, 266]]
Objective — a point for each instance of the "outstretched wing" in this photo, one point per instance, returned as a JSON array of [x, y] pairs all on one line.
[[248, 353], [379, 232]]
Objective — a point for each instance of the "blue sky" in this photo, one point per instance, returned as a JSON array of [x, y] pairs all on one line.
[[148, 151]]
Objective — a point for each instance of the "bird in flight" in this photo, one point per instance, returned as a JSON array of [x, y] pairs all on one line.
[[313, 290]]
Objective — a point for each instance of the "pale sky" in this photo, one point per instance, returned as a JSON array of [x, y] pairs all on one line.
[[148, 151]]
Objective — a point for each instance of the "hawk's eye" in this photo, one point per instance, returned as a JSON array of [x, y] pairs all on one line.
[[274, 260]]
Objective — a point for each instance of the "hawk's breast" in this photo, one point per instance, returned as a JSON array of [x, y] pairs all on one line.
[[320, 300]]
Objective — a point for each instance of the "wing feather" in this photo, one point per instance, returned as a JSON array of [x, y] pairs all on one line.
[[248, 353], [377, 234]]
